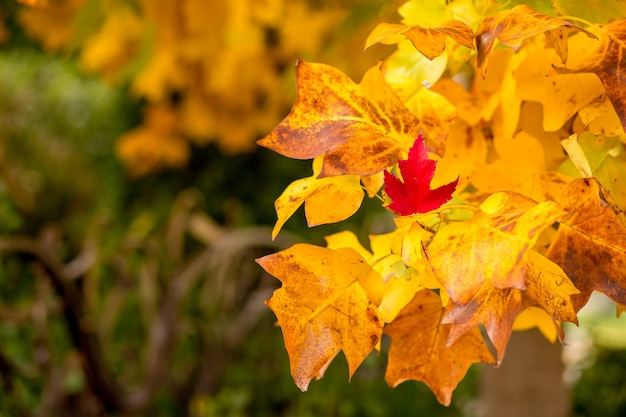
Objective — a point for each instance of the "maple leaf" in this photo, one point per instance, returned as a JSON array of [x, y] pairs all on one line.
[[436, 114], [492, 247], [413, 194], [547, 287], [512, 27], [561, 95], [592, 157], [315, 193], [607, 59], [430, 41], [590, 244], [419, 351], [360, 128], [322, 308]]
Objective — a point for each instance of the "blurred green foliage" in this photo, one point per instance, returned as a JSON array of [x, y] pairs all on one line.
[[601, 389]]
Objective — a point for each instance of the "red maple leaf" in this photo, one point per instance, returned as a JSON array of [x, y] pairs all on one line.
[[414, 194]]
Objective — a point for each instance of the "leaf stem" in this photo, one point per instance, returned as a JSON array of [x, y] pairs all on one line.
[[378, 196], [469, 207]]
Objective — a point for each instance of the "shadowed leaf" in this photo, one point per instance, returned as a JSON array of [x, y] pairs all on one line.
[[418, 349], [607, 59], [547, 287], [590, 244]]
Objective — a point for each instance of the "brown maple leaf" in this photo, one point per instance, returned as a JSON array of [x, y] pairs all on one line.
[[607, 59], [361, 128], [590, 244], [419, 350], [512, 27], [547, 287], [431, 42]]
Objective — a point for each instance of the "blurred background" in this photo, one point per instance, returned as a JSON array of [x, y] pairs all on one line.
[[134, 200]]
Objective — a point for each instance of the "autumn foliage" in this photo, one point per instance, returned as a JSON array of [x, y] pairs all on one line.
[[213, 71], [523, 111]]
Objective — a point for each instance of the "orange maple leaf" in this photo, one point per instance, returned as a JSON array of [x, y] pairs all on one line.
[[512, 27], [322, 308], [360, 128], [419, 351], [547, 287], [431, 42], [590, 244]]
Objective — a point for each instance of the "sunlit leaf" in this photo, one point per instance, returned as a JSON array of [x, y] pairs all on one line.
[[539, 318], [606, 163], [561, 95], [408, 72], [344, 190], [577, 155], [430, 41], [335, 314], [436, 114], [512, 27]]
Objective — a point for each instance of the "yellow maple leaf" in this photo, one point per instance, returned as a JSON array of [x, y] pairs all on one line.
[[398, 257], [430, 41], [521, 167], [512, 27], [344, 191], [562, 96]]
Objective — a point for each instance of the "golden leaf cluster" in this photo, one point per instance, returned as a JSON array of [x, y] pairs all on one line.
[[526, 107]]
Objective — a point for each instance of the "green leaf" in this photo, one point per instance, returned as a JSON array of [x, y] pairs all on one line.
[[594, 11]]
